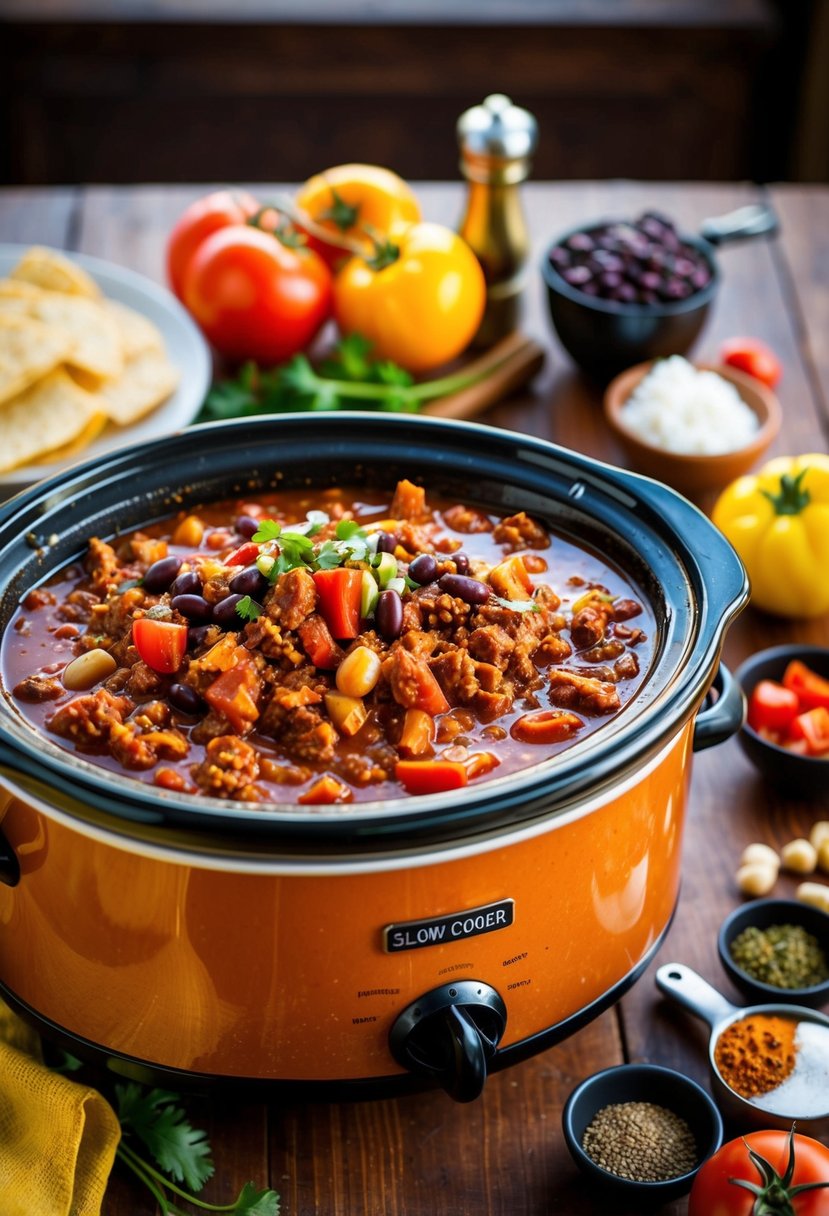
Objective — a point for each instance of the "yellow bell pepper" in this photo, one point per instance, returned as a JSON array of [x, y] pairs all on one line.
[[778, 521]]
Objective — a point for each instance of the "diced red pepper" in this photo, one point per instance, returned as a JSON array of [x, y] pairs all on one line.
[[245, 555], [339, 593], [771, 707], [813, 727], [326, 790], [430, 695], [318, 643], [234, 694], [812, 690], [161, 644], [430, 776]]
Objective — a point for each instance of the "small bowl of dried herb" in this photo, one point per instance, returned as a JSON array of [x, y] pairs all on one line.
[[641, 1131], [777, 950]]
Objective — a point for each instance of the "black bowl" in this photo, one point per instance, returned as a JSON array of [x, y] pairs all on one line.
[[604, 336], [804, 775], [762, 913], [642, 1083]]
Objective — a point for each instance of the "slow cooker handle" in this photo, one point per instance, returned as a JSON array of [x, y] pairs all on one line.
[[722, 718]]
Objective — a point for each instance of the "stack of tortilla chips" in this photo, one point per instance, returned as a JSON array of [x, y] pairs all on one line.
[[70, 361]]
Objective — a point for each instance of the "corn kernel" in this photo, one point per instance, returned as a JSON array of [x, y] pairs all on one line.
[[189, 532], [823, 855], [819, 833], [359, 672]]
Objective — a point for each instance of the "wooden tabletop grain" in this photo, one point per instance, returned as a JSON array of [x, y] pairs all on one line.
[[504, 1154]]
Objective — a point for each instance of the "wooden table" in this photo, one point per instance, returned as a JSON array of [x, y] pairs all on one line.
[[504, 1154]]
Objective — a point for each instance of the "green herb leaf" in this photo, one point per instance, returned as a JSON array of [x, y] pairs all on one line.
[[66, 1063], [256, 1203], [346, 528], [248, 609], [268, 530], [181, 1150], [518, 605], [328, 556]]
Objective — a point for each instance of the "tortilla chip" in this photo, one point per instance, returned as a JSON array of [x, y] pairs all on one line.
[[82, 440], [17, 289], [28, 350], [53, 271], [16, 306], [46, 416], [146, 381], [95, 343], [137, 334], [92, 384]]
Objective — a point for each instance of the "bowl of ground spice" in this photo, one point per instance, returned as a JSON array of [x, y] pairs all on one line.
[[641, 1130], [777, 950]]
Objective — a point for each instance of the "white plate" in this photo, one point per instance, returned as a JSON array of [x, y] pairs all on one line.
[[186, 347]]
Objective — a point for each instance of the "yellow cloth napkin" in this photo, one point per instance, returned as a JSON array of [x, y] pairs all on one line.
[[57, 1138]]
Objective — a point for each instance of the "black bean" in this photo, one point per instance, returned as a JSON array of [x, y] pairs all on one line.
[[249, 582], [161, 573], [185, 698], [194, 607], [388, 614], [187, 583], [559, 257], [461, 563], [246, 525], [224, 613], [424, 569], [577, 276], [580, 242], [471, 590], [386, 542], [196, 635]]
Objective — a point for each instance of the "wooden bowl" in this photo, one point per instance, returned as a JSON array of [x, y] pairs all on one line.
[[694, 473]]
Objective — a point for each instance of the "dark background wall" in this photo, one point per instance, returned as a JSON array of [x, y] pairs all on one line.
[[248, 90]]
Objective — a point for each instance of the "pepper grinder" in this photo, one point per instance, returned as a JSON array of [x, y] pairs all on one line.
[[496, 142]]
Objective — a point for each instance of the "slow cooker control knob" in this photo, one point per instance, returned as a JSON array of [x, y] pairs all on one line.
[[450, 1034]]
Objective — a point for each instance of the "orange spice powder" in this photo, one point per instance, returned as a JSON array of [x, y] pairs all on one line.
[[756, 1054]]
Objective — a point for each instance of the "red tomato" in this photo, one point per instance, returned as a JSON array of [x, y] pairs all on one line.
[[339, 593], [256, 297], [161, 644], [430, 776], [813, 727], [714, 1194], [771, 707], [752, 356], [811, 689], [202, 218], [234, 694], [244, 555]]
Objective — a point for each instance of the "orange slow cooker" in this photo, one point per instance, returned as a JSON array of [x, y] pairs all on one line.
[[382, 945]]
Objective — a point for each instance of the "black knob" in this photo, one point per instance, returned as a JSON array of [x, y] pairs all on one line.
[[9, 865], [450, 1034]]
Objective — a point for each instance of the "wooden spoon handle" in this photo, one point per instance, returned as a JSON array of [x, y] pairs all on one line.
[[514, 360]]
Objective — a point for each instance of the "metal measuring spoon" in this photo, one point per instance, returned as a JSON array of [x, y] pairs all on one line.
[[682, 985]]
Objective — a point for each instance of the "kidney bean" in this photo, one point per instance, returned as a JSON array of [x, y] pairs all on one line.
[[246, 525], [194, 607], [386, 543], [249, 582], [470, 590], [388, 615], [196, 635], [185, 698], [424, 569], [187, 583], [224, 613], [160, 574]]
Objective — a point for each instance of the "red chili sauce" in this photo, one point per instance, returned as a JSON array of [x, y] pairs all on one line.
[[327, 646]]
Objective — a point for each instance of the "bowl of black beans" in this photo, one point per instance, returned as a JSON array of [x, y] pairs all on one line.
[[621, 292]]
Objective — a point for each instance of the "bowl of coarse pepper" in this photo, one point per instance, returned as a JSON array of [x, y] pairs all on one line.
[[783, 940], [641, 1131]]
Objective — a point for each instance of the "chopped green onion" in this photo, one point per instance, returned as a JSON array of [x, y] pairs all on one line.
[[386, 569]]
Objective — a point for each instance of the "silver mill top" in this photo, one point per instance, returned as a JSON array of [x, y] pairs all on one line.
[[497, 140]]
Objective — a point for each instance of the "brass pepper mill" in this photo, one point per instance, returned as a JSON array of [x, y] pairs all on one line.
[[496, 141]]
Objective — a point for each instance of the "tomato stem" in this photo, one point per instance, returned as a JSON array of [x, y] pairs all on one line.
[[286, 206]]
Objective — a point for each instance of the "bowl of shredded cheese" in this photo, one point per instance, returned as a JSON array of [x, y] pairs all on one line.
[[695, 427]]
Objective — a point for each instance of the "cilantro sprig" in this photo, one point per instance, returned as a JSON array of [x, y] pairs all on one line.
[[348, 379], [350, 543], [181, 1154]]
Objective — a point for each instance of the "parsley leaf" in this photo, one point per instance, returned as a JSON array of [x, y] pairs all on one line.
[[268, 529], [346, 528], [518, 605], [181, 1150], [248, 609], [328, 556]]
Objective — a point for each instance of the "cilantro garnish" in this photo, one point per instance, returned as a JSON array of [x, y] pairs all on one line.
[[248, 609], [518, 605], [268, 530]]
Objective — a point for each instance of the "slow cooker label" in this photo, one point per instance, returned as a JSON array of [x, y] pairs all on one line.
[[439, 930]]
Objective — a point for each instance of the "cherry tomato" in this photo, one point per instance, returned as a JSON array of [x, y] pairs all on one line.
[[207, 215], [813, 728], [419, 303], [752, 356], [354, 200], [715, 1194], [810, 688], [161, 644], [256, 297], [772, 707]]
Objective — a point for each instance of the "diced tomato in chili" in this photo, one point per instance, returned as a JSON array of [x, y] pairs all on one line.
[[161, 644], [234, 694], [318, 643], [772, 707], [339, 593], [546, 726], [812, 690], [480, 763], [430, 776], [813, 727], [244, 555], [430, 696], [325, 791]]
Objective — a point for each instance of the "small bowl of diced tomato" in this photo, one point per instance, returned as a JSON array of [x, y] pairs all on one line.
[[786, 733]]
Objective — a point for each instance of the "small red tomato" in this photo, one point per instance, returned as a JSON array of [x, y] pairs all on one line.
[[772, 707], [716, 1190], [256, 297], [207, 215], [161, 644], [752, 356]]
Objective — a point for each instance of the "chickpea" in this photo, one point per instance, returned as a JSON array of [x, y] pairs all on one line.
[[823, 855], [754, 879], [760, 854], [819, 833], [799, 856], [815, 893], [88, 669]]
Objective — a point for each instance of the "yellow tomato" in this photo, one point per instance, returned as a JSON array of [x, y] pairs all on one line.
[[419, 302], [778, 521], [355, 201]]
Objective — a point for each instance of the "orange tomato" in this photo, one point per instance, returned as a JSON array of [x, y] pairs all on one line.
[[355, 201]]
